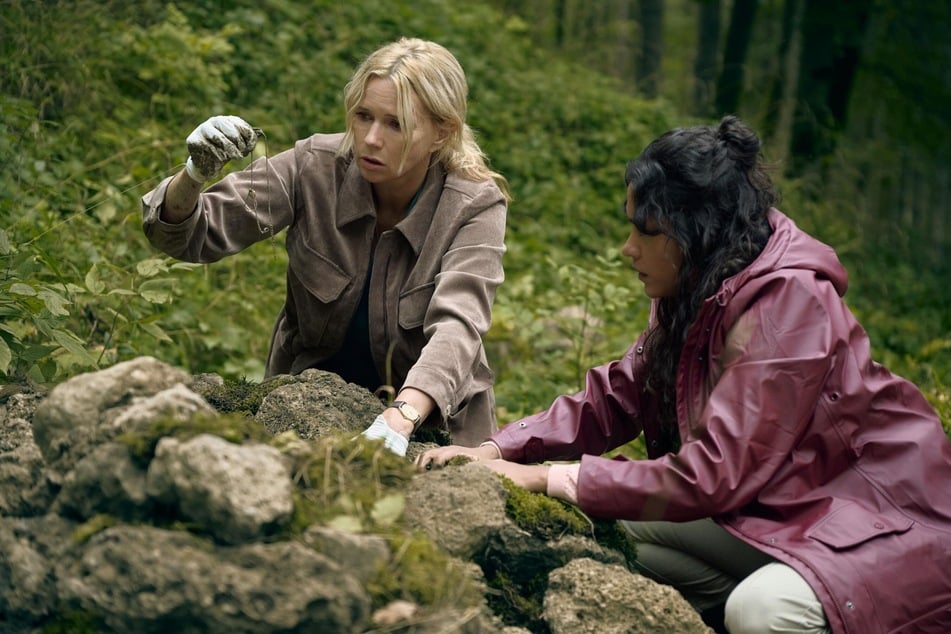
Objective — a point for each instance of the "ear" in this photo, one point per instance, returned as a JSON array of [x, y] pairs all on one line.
[[443, 133]]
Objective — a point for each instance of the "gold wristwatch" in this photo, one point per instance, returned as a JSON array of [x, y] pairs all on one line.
[[408, 412]]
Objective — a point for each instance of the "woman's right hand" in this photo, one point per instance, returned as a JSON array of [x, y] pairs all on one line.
[[439, 456], [215, 142]]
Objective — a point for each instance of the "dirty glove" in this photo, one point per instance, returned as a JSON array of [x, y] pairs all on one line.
[[215, 142], [392, 439]]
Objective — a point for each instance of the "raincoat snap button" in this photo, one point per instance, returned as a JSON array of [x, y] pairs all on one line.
[[522, 425], [772, 540], [849, 605], [640, 349], [834, 396], [878, 525]]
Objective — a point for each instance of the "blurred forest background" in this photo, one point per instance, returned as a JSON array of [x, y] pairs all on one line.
[[97, 96]]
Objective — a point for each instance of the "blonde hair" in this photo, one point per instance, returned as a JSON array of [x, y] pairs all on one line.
[[433, 74]]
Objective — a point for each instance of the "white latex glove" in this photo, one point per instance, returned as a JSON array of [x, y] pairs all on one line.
[[215, 142], [392, 439]]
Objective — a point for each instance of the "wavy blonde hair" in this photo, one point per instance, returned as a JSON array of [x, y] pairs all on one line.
[[429, 71]]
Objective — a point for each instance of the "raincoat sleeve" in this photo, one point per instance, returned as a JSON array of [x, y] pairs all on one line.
[[605, 415]]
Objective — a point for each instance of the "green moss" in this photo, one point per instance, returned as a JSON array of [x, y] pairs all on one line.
[[519, 594], [548, 518], [610, 534], [242, 395], [543, 516], [94, 525], [75, 622], [429, 435], [420, 572], [519, 604], [236, 428]]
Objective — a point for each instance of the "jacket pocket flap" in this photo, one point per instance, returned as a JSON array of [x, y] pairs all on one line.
[[414, 304], [852, 524], [322, 278]]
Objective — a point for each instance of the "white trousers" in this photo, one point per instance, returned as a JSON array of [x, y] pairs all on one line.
[[709, 566]]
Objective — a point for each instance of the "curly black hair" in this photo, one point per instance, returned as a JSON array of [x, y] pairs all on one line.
[[709, 192]]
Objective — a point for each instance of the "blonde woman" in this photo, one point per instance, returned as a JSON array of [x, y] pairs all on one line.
[[395, 236]]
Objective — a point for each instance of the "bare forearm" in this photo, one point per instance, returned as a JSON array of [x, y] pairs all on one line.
[[419, 400], [181, 196]]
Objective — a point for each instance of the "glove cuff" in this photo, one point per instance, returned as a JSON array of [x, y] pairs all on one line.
[[193, 172], [392, 439]]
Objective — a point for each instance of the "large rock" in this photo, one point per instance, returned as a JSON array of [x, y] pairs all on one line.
[[80, 405], [105, 526], [144, 579], [591, 597], [239, 492]]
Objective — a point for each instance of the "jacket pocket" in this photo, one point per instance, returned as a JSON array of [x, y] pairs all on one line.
[[850, 524], [413, 306], [317, 274]]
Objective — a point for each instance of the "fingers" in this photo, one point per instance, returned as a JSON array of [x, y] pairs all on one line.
[[225, 137], [437, 457], [241, 136], [217, 141]]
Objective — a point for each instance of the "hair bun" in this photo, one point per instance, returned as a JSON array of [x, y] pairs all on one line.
[[742, 144]]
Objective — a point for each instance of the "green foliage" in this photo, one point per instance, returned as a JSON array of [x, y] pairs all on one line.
[[564, 318], [351, 484], [97, 98]]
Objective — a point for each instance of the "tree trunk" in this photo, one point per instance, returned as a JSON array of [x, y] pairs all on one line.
[[832, 38], [734, 56], [652, 47], [705, 64], [560, 23], [779, 102]]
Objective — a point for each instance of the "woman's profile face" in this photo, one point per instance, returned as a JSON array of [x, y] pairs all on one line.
[[656, 258], [378, 137]]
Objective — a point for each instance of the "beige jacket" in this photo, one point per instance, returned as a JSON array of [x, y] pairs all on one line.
[[433, 280]]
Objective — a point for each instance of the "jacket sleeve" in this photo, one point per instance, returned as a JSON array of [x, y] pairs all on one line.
[[226, 220], [460, 311], [605, 415], [777, 356]]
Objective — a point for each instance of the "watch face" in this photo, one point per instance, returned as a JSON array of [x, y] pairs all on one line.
[[408, 411]]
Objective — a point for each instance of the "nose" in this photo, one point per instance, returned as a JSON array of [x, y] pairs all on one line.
[[630, 249], [373, 136]]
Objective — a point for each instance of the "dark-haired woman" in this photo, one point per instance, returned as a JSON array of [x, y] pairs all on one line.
[[793, 484]]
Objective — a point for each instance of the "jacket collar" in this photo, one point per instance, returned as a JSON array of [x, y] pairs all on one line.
[[416, 224], [355, 202]]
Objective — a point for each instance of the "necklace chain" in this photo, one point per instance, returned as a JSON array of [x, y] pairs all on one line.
[[251, 203]]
